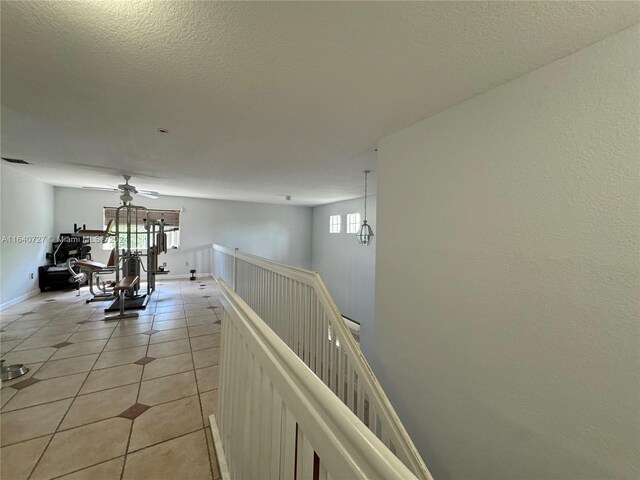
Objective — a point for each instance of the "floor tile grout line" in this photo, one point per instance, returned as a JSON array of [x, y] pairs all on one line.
[[168, 440], [126, 452], [3, 411], [201, 409], [43, 326], [27, 440], [93, 369], [57, 376], [46, 346], [102, 419], [124, 463], [108, 338], [71, 403], [64, 416], [86, 468], [110, 418], [126, 447], [98, 354]]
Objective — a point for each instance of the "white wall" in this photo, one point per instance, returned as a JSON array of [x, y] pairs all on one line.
[[346, 267], [508, 276], [281, 233], [27, 211]]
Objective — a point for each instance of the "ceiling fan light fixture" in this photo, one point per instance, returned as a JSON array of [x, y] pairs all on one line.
[[126, 197]]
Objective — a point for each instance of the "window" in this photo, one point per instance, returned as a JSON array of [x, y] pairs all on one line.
[[334, 224], [353, 222], [139, 240]]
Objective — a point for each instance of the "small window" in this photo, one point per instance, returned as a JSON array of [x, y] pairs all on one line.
[[334, 224], [139, 241], [353, 222]]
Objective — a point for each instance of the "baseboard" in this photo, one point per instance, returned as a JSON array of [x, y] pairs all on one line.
[[19, 299], [217, 445]]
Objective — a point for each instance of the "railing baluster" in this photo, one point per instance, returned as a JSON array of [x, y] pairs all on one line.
[[305, 323], [323, 475], [255, 423], [326, 350], [308, 327], [248, 418], [340, 369], [288, 445], [305, 460], [265, 405], [276, 434], [295, 324], [350, 380], [360, 400], [234, 409], [318, 336], [301, 322]]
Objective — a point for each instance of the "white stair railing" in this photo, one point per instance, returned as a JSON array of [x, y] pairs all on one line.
[[223, 263], [277, 420], [298, 307]]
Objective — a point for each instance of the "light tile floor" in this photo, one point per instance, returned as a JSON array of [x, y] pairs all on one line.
[[125, 399]]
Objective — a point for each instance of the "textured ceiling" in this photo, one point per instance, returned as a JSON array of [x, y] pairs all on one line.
[[262, 99]]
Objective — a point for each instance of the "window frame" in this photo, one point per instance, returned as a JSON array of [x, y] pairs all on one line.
[[335, 227], [173, 238], [353, 227]]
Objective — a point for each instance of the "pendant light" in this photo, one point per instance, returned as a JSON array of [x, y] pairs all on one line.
[[365, 234]]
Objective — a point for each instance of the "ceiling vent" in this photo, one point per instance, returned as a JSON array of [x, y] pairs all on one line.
[[15, 160]]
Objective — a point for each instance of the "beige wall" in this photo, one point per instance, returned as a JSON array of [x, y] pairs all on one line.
[[26, 231], [281, 233], [507, 282], [347, 268]]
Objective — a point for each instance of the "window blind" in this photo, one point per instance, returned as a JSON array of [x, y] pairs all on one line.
[[171, 217]]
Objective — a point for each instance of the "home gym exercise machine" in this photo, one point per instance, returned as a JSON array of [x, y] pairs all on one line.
[[95, 271], [139, 239]]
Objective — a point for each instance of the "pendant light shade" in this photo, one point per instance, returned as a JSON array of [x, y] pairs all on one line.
[[365, 233]]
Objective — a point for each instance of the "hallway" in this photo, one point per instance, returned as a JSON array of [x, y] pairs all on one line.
[[109, 400]]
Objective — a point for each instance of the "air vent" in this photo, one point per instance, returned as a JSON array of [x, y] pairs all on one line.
[[15, 160]]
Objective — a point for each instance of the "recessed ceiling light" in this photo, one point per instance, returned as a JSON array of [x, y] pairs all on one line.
[[162, 130]]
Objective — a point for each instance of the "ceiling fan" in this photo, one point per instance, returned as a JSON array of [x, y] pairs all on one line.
[[127, 190]]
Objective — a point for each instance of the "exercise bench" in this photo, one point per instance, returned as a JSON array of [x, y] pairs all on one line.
[[124, 285], [92, 267]]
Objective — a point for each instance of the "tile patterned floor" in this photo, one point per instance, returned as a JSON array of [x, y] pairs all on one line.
[[125, 399]]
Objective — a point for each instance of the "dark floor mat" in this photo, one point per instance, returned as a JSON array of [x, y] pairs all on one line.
[[137, 303]]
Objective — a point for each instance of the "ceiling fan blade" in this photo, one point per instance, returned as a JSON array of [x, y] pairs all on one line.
[[102, 189], [126, 188], [149, 192], [152, 195]]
